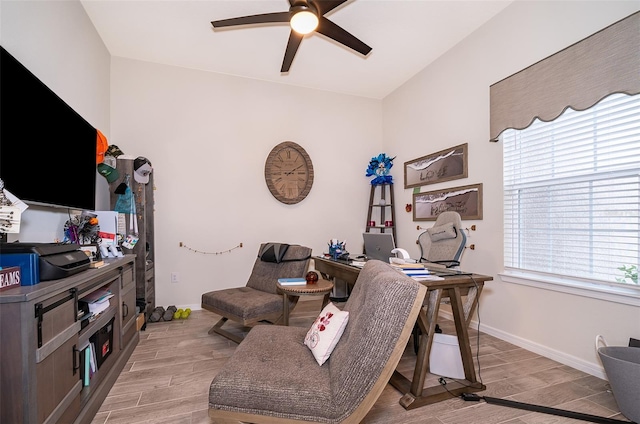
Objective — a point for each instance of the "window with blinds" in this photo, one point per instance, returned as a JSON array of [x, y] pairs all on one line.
[[572, 193]]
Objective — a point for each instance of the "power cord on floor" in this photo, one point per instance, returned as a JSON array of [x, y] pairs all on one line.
[[443, 383], [472, 397]]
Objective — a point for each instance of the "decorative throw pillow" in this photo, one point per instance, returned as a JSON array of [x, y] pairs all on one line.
[[273, 252], [441, 232], [324, 334]]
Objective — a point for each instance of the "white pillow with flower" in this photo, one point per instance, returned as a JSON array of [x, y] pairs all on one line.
[[324, 334]]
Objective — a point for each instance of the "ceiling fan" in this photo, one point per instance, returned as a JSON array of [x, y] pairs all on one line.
[[304, 17]]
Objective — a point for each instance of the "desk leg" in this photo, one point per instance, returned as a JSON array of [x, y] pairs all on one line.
[[417, 395], [285, 309], [325, 300], [463, 336], [427, 320], [427, 323]]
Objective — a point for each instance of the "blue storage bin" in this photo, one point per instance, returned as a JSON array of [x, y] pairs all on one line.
[[29, 264]]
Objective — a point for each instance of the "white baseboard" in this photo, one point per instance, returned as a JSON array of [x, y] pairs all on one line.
[[594, 369]]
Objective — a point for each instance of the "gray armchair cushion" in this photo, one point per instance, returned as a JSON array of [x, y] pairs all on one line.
[[244, 302], [272, 373], [272, 370]]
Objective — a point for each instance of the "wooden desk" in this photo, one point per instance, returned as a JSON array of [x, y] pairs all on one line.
[[330, 268], [454, 287]]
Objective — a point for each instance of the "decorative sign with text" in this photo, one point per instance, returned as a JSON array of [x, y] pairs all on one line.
[[9, 277]]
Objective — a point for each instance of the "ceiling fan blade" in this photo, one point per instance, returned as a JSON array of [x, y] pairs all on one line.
[[264, 18], [327, 6], [331, 30], [292, 47]]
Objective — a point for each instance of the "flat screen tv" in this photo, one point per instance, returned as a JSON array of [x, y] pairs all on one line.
[[47, 150]]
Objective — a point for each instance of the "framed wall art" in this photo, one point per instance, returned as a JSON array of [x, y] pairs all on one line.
[[445, 165], [466, 200]]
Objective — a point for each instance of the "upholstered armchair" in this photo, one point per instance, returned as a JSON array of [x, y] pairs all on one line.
[[273, 377], [259, 300]]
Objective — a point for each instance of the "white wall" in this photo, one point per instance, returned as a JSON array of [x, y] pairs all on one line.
[[448, 104], [57, 42], [208, 136]]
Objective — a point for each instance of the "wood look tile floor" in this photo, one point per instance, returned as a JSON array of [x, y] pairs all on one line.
[[167, 380]]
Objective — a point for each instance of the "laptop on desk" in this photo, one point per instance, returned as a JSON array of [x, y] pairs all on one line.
[[378, 246]]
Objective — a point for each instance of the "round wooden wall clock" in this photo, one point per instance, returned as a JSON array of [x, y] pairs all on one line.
[[288, 172]]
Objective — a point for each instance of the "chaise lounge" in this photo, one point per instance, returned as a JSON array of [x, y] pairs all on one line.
[[273, 377], [259, 300]]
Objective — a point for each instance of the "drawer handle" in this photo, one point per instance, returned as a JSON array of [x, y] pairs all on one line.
[[76, 353], [125, 310]]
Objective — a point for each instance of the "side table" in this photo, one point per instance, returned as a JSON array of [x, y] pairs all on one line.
[[320, 287]]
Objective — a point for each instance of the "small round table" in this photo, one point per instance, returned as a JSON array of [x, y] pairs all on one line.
[[320, 287]]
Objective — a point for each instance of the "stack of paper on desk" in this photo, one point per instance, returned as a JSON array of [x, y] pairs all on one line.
[[429, 277], [417, 272], [411, 269]]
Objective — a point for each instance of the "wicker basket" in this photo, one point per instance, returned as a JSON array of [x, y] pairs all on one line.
[[622, 366]]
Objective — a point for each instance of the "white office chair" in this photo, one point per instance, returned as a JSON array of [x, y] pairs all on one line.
[[443, 244]]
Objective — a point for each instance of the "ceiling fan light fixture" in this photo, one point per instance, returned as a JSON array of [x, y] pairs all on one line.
[[303, 20]]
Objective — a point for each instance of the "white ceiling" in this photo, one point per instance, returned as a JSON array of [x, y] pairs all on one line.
[[406, 35]]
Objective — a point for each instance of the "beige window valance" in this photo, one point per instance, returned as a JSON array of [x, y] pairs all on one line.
[[578, 76]]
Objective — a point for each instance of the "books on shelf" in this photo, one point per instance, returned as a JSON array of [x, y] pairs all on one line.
[[96, 307], [98, 295], [292, 281]]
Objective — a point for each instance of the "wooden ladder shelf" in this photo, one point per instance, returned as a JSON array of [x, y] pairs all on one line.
[[381, 210]]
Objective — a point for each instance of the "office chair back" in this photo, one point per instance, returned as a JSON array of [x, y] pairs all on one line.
[[444, 243]]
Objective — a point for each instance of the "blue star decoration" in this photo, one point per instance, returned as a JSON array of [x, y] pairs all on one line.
[[379, 167]]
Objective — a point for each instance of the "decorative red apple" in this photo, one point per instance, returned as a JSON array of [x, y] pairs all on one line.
[[312, 277]]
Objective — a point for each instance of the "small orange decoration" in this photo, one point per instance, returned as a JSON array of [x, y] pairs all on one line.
[[93, 221], [408, 207], [312, 277]]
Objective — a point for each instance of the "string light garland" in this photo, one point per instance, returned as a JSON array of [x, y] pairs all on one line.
[[210, 253]]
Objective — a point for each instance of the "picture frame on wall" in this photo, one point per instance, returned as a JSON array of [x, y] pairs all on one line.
[[466, 200], [445, 165]]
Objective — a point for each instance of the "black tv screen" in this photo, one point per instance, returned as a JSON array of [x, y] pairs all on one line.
[[47, 150]]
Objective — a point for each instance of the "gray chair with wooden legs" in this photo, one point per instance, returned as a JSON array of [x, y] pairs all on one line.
[[259, 300], [273, 377]]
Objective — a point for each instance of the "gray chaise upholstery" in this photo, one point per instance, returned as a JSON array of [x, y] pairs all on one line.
[[273, 377]]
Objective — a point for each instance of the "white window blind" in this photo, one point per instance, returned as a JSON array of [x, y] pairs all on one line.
[[572, 192]]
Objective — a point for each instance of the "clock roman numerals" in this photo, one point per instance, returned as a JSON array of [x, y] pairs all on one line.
[[289, 172]]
